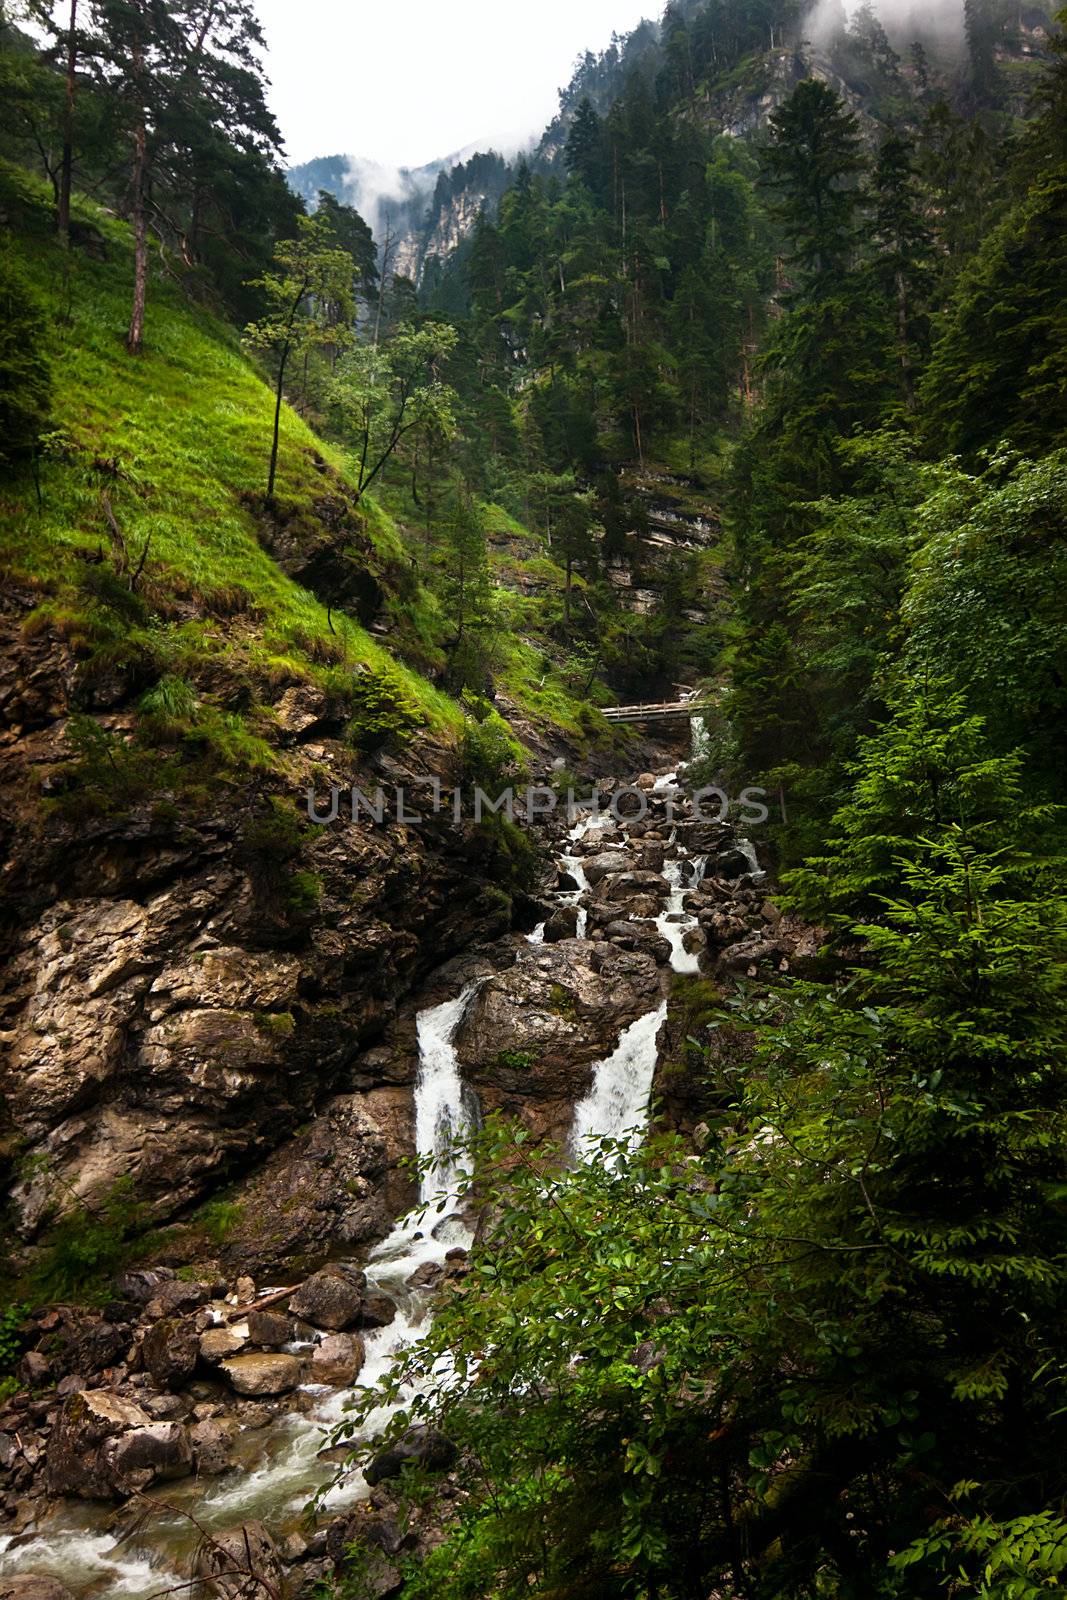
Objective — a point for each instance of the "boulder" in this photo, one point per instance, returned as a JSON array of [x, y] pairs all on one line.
[[212, 1447], [628, 886], [338, 1360], [219, 1344], [169, 1351], [567, 1003], [331, 1299], [431, 1450], [263, 1375], [88, 1421], [608, 862], [378, 1311], [269, 1327], [640, 936], [239, 1564], [562, 924], [155, 1454]]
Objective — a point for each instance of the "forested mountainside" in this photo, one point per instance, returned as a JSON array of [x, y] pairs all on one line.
[[725, 1067]]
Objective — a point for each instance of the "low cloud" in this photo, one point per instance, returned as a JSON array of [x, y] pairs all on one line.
[[937, 23]]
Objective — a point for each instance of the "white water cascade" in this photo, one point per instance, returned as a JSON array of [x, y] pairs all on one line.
[[617, 1102], [282, 1469], [673, 923]]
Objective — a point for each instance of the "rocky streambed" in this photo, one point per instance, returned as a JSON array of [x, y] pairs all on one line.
[[178, 1432]]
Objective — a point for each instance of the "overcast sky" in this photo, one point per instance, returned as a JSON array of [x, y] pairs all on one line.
[[406, 81]]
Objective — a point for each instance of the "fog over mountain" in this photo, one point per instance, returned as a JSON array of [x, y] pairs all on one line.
[[934, 21]]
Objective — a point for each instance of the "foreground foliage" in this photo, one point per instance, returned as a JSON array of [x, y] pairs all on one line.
[[825, 1357]]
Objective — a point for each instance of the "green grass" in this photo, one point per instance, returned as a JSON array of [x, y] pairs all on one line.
[[178, 441]]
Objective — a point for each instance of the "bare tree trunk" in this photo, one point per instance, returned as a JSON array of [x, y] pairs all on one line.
[[67, 163], [135, 336], [277, 422]]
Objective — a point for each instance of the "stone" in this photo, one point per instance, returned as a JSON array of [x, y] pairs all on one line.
[[431, 1450], [157, 1453], [562, 924], [378, 1311], [338, 1359], [29, 1587], [87, 1421], [330, 1299], [263, 1375], [34, 1370], [628, 886], [167, 1407], [218, 1344], [428, 1276], [212, 1448], [607, 863], [269, 1327], [239, 1564], [169, 1351]]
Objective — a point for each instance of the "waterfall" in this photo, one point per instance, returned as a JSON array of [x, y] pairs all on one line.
[[701, 741], [673, 923], [440, 1117], [71, 1545], [748, 850], [573, 865], [617, 1102]]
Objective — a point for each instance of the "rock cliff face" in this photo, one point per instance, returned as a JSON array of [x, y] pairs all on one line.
[[172, 1010]]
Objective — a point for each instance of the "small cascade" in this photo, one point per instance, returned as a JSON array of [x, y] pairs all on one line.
[[673, 923], [748, 850], [617, 1102], [701, 740], [440, 1117], [574, 865], [287, 1470]]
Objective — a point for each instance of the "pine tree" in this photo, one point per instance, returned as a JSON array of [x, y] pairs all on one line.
[[811, 165]]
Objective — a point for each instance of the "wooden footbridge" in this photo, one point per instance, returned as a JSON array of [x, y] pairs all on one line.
[[668, 711]]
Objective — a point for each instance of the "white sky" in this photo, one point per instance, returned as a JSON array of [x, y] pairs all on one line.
[[407, 81]]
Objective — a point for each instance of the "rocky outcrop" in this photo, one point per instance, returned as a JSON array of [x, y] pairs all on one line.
[[103, 1447], [530, 1039]]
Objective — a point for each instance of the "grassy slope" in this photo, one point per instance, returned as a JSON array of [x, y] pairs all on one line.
[[188, 427]]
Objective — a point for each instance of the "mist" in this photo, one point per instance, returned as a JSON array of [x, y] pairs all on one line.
[[938, 24]]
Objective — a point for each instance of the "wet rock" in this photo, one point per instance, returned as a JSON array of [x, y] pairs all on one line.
[[263, 1375], [240, 1564], [87, 1421], [566, 882], [429, 1449], [269, 1327], [331, 1299], [169, 1351], [750, 953], [178, 1295], [167, 1407], [157, 1453], [639, 936], [607, 863], [219, 1344], [732, 864], [562, 924], [29, 1587], [378, 1311], [338, 1360], [212, 1448], [427, 1276], [566, 1004], [627, 886]]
